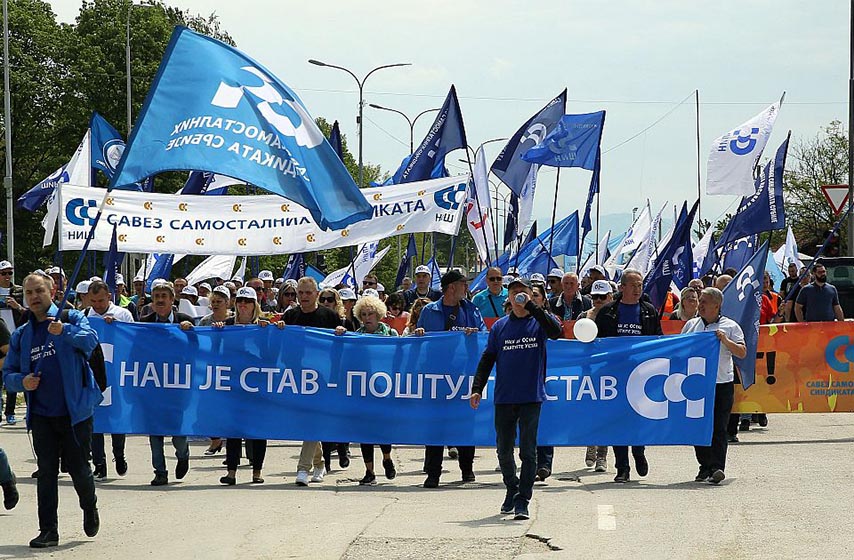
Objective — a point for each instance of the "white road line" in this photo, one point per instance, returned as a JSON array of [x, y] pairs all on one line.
[[607, 518]]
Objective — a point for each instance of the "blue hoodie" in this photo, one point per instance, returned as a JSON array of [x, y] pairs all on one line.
[[73, 348]]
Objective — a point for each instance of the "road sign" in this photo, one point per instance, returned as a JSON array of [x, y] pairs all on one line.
[[837, 197]]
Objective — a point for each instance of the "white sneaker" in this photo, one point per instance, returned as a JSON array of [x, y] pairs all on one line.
[[302, 478], [317, 476]]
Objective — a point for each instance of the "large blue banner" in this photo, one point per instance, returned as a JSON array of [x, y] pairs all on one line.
[[299, 383]]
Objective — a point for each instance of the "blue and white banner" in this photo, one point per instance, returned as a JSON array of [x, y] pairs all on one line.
[[250, 225], [212, 108], [308, 384]]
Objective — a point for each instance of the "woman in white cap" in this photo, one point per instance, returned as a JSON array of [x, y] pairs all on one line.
[[220, 313], [246, 312], [348, 298], [601, 294], [81, 293], [371, 310]]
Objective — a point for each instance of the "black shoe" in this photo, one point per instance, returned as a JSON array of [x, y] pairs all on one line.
[[121, 466], [344, 458], [702, 476], [10, 493], [762, 420], [228, 480], [160, 480], [91, 521], [45, 539], [431, 482], [732, 438], [717, 477], [100, 472], [744, 425], [641, 465], [521, 510], [390, 471], [181, 468], [327, 462], [468, 476], [509, 501], [370, 479], [543, 473], [35, 474], [622, 475]]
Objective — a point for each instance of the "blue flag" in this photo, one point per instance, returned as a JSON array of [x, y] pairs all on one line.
[[436, 279], [295, 269], [446, 134], [112, 261], [510, 223], [335, 140], [742, 303], [586, 224], [162, 268], [39, 194], [509, 165], [574, 142], [107, 145], [212, 108], [406, 260], [675, 262], [738, 253]]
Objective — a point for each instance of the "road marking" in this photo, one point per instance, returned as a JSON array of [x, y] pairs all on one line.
[[607, 518]]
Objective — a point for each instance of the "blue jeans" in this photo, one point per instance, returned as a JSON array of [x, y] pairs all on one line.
[[525, 417], [5, 471], [158, 459], [54, 437]]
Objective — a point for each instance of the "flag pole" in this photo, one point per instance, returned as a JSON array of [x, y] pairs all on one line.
[[699, 163], [554, 215]]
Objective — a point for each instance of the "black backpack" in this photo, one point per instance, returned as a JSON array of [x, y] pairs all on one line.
[[96, 361]]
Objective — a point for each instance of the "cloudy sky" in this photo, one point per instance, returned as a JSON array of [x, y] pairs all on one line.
[[639, 60]]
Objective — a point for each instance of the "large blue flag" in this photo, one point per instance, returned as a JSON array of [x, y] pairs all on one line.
[[39, 194], [212, 108], [742, 303], [738, 253], [574, 142], [295, 269], [446, 134], [675, 262], [586, 224], [406, 260], [509, 165]]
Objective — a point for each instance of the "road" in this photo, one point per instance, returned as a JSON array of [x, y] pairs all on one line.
[[787, 495]]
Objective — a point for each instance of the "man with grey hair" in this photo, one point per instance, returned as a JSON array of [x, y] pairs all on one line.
[[712, 458], [629, 315], [569, 302]]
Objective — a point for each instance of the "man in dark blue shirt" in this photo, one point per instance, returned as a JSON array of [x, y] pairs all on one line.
[[818, 301], [48, 359], [517, 346]]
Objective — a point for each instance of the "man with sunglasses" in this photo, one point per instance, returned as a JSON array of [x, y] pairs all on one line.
[[422, 288], [569, 302], [553, 281], [10, 298], [490, 301], [370, 282]]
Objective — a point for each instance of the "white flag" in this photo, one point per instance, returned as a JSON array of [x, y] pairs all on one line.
[[215, 266], [526, 200], [788, 253], [642, 259], [701, 249], [353, 274], [602, 255], [637, 233], [78, 171], [241, 272], [480, 223], [734, 155]]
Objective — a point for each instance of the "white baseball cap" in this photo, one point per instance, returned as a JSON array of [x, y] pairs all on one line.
[[537, 277], [555, 273], [380, 288], [600, 287], [223, 291], [370, 292], [205, 285], [347, 294], [265, 275], [83, 287], [5, 265], [246, 292], [423, 269], [120, 280], [190, 291]]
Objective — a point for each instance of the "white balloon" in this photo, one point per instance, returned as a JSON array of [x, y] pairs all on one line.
[[585, 330]]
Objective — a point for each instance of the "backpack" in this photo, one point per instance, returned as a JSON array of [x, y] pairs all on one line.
[[96, 361]]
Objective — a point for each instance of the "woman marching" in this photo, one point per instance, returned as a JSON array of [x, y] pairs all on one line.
[[220, 312], [246, 312], [370, 310]]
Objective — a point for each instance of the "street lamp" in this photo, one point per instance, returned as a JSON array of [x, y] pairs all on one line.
[[410, 121], [7, 112], [361, 84]]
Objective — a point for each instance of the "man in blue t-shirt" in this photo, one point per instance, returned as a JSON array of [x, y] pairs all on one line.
[[517, 347], [818, 301], [490, 301]]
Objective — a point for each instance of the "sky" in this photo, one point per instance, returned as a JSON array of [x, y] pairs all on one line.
[[640, 61]]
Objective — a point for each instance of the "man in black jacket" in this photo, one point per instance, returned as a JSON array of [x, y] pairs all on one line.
[[162, 300], [569, 302], [629, 315]]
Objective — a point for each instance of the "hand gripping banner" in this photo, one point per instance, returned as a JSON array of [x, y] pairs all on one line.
[[308, 384]]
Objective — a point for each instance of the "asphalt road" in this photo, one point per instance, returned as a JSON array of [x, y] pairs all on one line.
[[788, 494]]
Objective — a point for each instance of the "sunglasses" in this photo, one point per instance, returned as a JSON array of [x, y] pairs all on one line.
[[495, 278], [599, 296], [245, 300], [327, 299], [368, 283], [6, 273]]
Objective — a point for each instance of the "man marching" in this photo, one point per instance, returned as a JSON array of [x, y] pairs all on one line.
[[517, 347]]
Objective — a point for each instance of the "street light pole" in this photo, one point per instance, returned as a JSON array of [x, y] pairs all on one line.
[[7, 117], [409, 121], [850, 135], [361, 84]]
